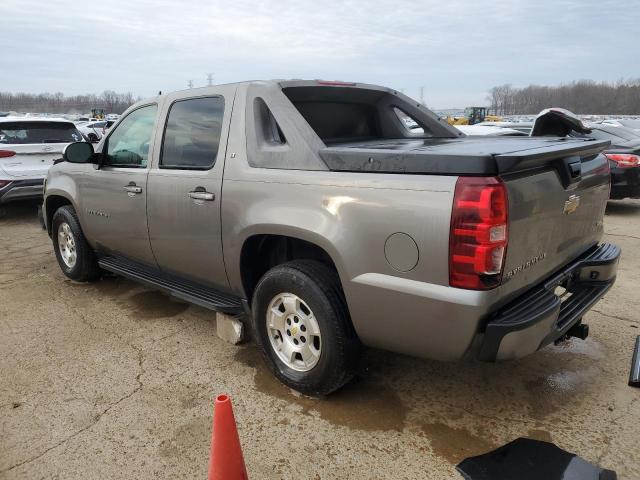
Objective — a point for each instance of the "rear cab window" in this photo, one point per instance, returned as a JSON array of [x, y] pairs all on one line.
[[15, 133], [342, 114]]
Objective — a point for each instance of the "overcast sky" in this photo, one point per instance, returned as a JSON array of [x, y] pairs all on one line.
[[456, 49]]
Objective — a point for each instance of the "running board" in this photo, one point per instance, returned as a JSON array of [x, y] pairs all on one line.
[[192, 292]]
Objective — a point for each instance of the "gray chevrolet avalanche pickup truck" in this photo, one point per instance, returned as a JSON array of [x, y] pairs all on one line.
[[336, 215]]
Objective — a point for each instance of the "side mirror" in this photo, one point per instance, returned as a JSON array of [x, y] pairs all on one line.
[[78, 152]]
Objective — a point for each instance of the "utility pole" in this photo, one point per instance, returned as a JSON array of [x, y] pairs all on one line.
[[190, 83], [209, 79], [422, 96]]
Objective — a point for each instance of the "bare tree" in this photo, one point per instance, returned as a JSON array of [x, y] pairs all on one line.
[[583, 96], [109, 100]]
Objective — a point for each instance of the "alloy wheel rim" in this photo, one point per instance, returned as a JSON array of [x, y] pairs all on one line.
[[67, 245], [293, 332]]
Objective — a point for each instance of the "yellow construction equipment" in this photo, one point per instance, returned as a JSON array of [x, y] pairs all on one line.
[[97, 113], [473, 115]]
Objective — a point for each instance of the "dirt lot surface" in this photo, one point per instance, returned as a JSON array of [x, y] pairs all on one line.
[[111, 380]]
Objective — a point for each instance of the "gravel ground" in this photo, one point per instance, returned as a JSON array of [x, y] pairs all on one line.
[[111, 380]]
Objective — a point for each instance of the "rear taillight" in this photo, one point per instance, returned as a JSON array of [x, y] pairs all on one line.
[[7, 153], [624, 160], [478, 235]]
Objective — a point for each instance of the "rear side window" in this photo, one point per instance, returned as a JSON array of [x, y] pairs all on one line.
[[192, 134], [13, 133]]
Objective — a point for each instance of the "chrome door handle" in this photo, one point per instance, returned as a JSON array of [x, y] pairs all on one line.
[[132, 188], [202, 195]]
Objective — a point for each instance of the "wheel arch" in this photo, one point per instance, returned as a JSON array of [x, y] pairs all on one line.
[[53, 202], [263, 251]]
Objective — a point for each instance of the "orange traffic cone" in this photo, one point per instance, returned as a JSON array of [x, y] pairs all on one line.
[[226, 461]]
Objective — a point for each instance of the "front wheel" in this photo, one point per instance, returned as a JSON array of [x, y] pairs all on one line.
[[74, 254], [303, 328]]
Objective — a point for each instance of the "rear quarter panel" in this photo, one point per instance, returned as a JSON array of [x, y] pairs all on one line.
[[351, 216]]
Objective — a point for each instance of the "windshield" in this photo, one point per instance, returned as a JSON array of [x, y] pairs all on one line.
[[621, 132], [614, 134], [14, 133], [630, 123]]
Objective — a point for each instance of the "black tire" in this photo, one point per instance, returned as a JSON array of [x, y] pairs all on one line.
[[86, 267], [319, 287]]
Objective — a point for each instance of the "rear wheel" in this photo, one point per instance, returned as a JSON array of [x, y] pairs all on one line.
[[303, 327], [74, 255]]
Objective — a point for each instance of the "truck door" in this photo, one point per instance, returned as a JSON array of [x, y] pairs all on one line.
[[114, 198], [185, 184]]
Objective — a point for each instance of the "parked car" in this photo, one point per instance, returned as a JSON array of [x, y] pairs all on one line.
[[28, 147], [92, 131], [624, 158], [313, 208], [634, 124]]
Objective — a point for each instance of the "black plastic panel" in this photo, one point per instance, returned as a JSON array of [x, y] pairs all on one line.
[[189, 291], [528, 459], [457, 156], [540, 303]]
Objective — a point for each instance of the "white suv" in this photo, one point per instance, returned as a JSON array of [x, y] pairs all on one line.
[[28, 147]]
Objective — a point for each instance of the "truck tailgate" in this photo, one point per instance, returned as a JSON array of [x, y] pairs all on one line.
[[552, 217]]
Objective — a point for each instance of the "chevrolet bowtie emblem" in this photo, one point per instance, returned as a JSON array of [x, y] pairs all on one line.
[[572, 204]]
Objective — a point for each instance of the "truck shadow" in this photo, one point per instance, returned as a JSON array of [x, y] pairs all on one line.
[[464, 409]]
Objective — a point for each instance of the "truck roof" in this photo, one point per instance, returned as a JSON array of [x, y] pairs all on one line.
[[296, 82]]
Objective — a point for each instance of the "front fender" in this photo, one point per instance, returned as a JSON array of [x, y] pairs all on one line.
[[59, 185]]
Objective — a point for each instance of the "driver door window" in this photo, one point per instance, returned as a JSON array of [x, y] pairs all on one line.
[[128, 144]]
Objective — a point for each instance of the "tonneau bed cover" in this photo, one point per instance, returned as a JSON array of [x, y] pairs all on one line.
[[456, 156]]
